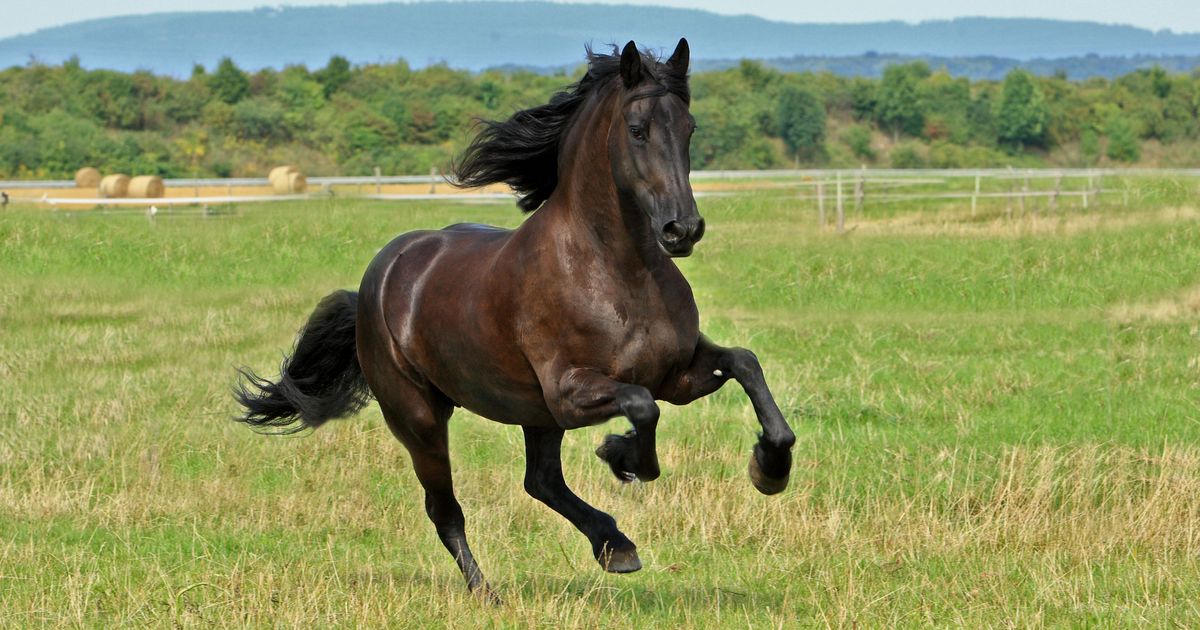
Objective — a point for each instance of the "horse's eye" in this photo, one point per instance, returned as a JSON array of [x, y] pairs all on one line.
[[637, 132]]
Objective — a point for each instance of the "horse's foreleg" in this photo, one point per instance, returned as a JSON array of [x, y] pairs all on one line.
[[711, 367], [544, 482], [584, 397]]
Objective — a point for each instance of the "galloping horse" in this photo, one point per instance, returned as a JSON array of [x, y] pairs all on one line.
[[577, 316]]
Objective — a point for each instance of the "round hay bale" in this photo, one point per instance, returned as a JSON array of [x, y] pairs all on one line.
[[87, 177], [291, 184], [280, 174], [146, 187], [114, 186], [281, 186], [297, 183]]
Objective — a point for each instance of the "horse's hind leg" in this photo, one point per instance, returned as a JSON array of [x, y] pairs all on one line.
[[421, 427], [544, 482]]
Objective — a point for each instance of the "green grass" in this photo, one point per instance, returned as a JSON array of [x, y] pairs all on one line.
[[998, 421]]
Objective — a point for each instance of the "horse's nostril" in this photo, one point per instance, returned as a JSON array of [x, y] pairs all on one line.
[[674, 231], [698, 233]]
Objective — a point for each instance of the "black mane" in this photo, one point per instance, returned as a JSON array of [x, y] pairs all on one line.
[[523, 150]]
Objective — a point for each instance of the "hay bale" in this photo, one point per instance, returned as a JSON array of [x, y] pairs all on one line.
[[147, 187], [87, 177], [289, 184], [279, 175], [297, 183], [114, 186]]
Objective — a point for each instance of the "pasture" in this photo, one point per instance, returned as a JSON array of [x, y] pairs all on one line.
[[998, 423]]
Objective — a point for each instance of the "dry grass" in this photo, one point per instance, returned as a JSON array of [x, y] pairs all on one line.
[[1184, 306]]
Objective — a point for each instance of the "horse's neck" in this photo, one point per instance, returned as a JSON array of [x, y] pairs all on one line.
[[586, 204]]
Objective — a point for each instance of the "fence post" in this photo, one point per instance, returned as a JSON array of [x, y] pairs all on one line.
[[1008, 198], [1024, 192], [821, 201], [841, 214], [975, 197], [860, 190], [433, 180], [1057, 192], [1095, 191], [378, 182]]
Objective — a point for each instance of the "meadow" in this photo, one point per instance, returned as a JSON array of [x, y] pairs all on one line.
[[998, 424]]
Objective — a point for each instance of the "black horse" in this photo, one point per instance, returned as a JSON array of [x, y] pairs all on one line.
[[576, 317]]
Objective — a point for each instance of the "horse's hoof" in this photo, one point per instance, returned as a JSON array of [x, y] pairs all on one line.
[[763, 483], [488, 595], [613, 451], [619, 561]]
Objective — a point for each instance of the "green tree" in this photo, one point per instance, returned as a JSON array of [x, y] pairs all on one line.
[[334, 75], [981, 120], [1021, 115], [898, 106], [229, 83], [727, 138], [801, 122], [258, 119], [1089, 147], [947, 101], [863, 96], [1122, 140], [113, 99]]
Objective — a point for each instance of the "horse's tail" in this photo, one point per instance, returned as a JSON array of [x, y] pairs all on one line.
[[320, 381]]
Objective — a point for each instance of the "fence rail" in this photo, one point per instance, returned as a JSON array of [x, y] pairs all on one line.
[[875, 174], [841, 190]]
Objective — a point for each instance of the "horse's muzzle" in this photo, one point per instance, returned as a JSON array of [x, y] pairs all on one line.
[[678, 237]]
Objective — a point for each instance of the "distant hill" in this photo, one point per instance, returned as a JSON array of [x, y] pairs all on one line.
[[976, 67], [477, 35]]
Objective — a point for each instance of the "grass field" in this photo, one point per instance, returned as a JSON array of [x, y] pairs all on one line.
[[998, 422]]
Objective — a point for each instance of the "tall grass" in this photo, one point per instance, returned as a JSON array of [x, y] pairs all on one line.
[[997, 422]]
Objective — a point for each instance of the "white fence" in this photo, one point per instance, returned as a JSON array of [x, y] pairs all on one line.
[[698, 176], [836, 187]]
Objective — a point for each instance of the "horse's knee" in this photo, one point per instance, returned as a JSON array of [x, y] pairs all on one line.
[[637, 403], [743, 361], [580, 406]]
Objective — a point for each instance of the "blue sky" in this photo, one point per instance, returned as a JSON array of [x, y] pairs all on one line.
[[24, 16]]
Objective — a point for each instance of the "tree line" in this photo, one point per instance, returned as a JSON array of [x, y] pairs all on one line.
[[346, 119]]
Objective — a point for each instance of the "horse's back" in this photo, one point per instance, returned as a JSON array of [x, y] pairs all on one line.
[[399, 276], [434, 308], [475, 227]]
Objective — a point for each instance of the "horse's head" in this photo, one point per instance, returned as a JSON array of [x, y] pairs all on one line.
[[648, 147]]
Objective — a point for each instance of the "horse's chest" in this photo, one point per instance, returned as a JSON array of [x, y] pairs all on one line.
[[636, 331], [647, 346]]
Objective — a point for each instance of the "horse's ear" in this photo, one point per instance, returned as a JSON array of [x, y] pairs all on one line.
[[631, 65], [680, 58]]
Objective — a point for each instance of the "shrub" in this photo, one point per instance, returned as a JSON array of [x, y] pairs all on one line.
[[1122, 140], [858, 139], [907, 155]]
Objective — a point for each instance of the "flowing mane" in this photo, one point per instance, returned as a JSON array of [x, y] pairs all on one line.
[[523, 150]]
